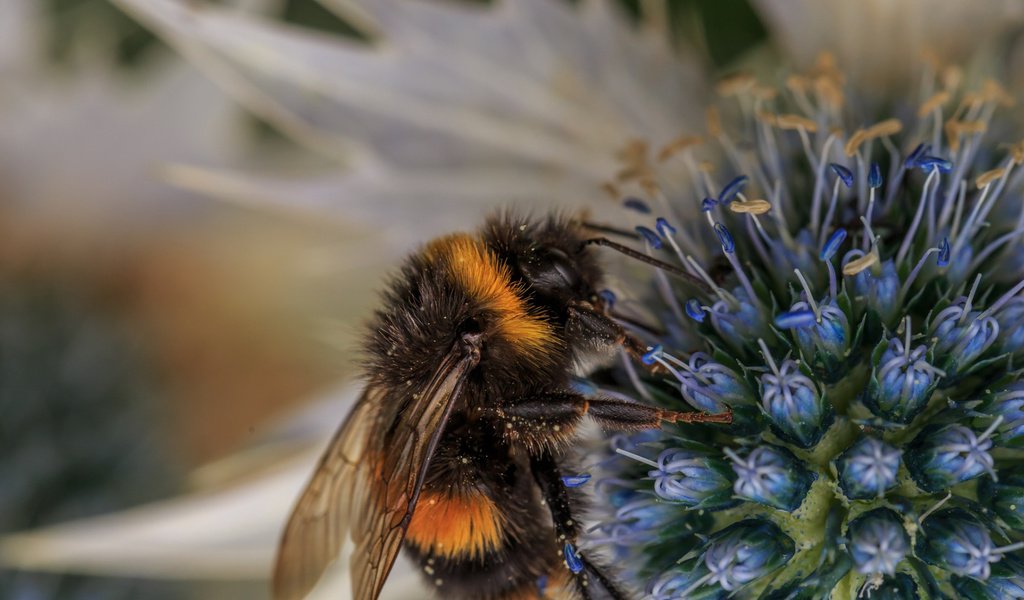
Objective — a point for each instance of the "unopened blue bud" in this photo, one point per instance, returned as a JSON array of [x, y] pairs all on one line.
[[772, 476], [868, 469], [962, 339], [842, 173], [881, 292], [725, 238], [649, 236], [878, 542], [826, 342], [744, 552], [794, 405], [634, 203], [875, 176], [902, 382], [738, 325], [957, 541], [663, 227], [832, 244], [708, 204], [713, 387], [694, 479], [733, 188], [943, 456], [694, 310]]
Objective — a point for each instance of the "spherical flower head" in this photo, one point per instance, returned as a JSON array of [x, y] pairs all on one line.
[[714, 387], [868, 469], [886, 382], [954, 540], [794, 405], [902, 381], [771, 475], [878, 542], [942, 456], [694, 479]]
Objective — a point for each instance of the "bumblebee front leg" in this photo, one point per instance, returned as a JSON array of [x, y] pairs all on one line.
[[548, 476]]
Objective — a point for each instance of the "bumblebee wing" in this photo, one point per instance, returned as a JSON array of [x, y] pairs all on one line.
[[367, 483]]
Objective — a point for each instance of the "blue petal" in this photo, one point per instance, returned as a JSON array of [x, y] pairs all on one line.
[[732, 188], [842, 173]]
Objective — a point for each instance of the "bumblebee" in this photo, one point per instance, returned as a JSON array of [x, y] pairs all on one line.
[[454, 448]]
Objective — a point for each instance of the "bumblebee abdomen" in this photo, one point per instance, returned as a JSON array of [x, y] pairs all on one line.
[[466, 525]]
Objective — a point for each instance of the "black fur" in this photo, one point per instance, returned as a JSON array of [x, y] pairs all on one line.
[[423, 314]]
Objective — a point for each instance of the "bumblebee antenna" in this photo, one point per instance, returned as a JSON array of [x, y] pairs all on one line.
[[610, 229], [664, 266]]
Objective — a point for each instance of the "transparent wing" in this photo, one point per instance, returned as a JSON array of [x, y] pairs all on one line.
[[367, 483]]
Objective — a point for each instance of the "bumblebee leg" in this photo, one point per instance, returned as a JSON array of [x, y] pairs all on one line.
[[556, 495], [589, 324], [633, 416], [540, 417]]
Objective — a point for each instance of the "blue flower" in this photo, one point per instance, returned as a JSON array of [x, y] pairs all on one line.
[[879, 290], [712, 387], [772, 476], [878, 542], [902, 381], [943, 456], [737, 323], [962, 335], [745, 551], [954, 540], [1005, 582], [1008, 404], [824, 341], [694, 479], [793, 404], [868, 469]]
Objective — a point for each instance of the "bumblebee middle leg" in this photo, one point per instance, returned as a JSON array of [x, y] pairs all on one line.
[[587, 574], [548, 418]]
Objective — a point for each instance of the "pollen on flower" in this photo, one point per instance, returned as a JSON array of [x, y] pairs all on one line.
[[862, 321]]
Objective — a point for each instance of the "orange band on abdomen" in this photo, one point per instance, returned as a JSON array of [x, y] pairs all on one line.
[[455, 526]]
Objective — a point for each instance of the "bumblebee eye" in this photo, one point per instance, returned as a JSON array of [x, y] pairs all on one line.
[[552, 272]]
